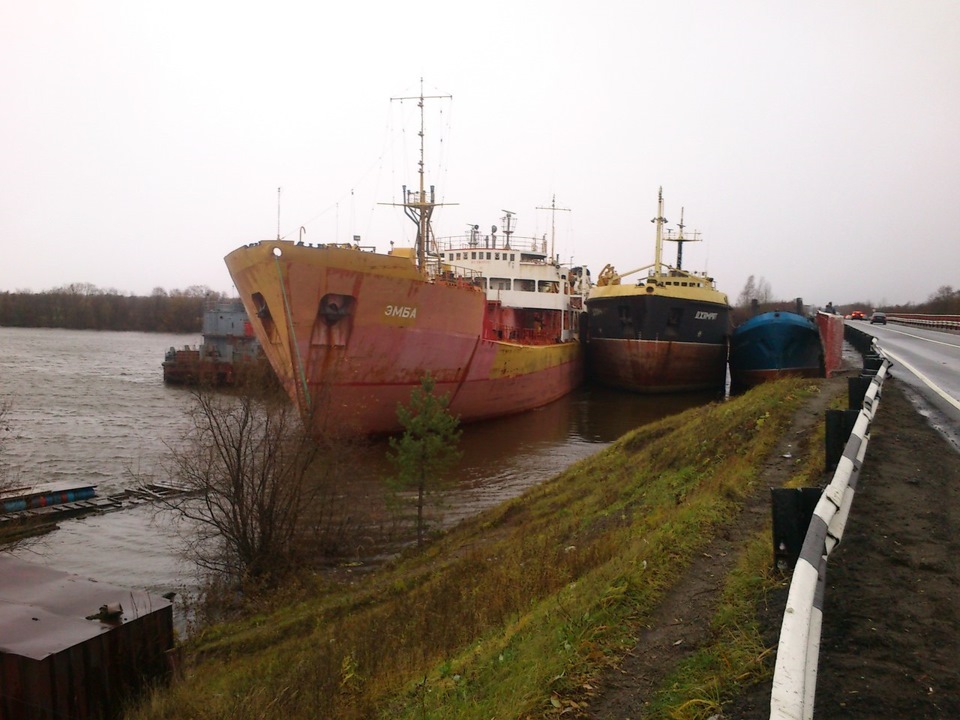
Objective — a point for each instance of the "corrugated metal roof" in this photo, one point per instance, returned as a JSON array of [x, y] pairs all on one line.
[[44, 611]]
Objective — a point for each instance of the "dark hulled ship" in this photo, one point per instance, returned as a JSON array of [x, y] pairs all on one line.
[[667, 332]]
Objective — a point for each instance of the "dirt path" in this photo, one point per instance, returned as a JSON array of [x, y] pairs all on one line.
[[682, 621], [891, 635]]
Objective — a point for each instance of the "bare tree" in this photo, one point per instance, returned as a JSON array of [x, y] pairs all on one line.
[[755, 290], [10, 533], [945, 300], [764, 291], [250, 473], [748, 293]]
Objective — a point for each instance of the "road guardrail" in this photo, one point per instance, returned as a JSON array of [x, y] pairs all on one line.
[[937, 322], [798, 651]]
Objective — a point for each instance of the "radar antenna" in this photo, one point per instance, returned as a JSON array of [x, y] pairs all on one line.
[[680, 239], [508, 225]]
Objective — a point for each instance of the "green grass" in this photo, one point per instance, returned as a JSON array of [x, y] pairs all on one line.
[[735, 656], [516, 612]]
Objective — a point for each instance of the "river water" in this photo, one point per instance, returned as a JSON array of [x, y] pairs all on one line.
[[91, 406]]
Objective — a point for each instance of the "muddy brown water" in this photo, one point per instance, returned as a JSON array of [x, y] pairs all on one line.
[[92, 407]]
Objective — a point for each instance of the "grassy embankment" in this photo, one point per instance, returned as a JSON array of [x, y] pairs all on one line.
[[517, 612]]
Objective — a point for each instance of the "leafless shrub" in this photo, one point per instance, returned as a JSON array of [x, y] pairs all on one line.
[[254, 485]]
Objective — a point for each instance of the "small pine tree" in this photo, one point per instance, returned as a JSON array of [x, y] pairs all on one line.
[[427, 449]]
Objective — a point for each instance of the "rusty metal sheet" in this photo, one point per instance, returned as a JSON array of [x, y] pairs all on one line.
[[56, 662]]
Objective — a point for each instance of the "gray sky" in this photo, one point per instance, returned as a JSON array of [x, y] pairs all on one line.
[[815, 144]]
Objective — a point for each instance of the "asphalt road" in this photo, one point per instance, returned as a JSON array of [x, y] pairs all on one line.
[[928, 361]]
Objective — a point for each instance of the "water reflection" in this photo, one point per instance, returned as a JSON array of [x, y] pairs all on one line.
[[501, 458], [603, 414]]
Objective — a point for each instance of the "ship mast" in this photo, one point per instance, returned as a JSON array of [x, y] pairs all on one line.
[[660, 220], [680, 242], [507, 222], [680, 239], [417, 206], [278, 214], [553, 225]]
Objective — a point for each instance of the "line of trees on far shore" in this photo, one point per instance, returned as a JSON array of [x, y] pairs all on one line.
[[81, 306], [944, 301]]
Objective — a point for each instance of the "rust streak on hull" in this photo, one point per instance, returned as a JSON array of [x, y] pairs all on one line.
[[658, 366]]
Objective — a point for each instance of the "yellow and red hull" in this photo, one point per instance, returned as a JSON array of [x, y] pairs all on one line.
[[350, 334]]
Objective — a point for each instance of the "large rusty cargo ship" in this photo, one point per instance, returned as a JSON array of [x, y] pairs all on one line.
[[667, 332], [350, 332]]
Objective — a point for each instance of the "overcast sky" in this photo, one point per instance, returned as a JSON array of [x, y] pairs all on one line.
[[815, 144]]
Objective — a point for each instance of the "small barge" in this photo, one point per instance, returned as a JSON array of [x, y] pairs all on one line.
[[229, 350]]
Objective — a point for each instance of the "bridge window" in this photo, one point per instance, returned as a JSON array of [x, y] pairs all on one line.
[[499, 283], [524, 285]]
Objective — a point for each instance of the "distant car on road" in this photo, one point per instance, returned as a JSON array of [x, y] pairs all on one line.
[[878, 317], [856, 315]]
